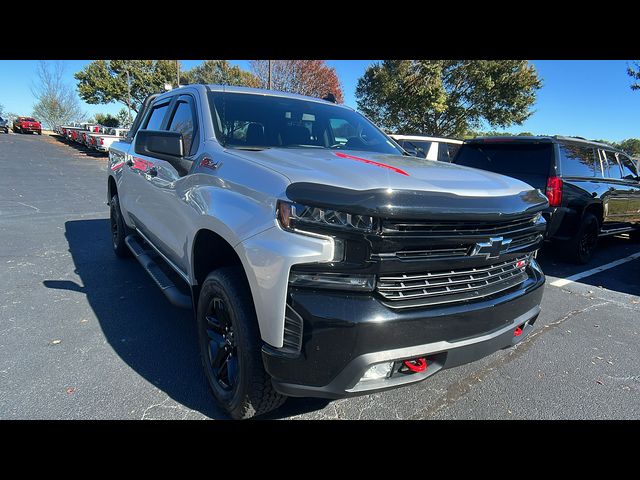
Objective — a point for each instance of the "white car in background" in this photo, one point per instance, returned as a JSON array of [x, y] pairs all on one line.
[[431, 148], [102, 141]]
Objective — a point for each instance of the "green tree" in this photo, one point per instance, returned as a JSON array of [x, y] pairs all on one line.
[[56, 102], [105, 81], [634, 73], [106, 120], [124, 119], [220, 72], [447, 97], [631, 146]]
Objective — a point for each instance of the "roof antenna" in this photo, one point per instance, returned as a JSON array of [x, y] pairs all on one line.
[[330, 98]]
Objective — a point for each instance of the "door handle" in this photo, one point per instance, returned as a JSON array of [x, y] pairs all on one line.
[[129, 163], [152, 172]]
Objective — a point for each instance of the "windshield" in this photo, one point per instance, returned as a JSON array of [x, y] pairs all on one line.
[[260, 121], [28, 119]]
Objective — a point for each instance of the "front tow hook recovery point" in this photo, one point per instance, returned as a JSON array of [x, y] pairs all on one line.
[[416, 365]]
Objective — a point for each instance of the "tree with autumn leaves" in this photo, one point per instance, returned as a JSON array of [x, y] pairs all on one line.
[[307, 77]]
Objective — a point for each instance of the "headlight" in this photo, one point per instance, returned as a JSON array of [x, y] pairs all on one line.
[[335, 281], [294, 215]]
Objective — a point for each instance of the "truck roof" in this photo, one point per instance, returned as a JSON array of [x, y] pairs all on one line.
[[539, 139], [255, 91]]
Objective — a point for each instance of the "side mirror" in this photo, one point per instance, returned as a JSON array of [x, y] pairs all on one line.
[[159, 143]]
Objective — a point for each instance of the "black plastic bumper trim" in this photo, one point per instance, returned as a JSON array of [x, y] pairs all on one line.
[[457, 353]]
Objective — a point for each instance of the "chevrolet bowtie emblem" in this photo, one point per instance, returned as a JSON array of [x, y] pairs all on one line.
[[493, 248]]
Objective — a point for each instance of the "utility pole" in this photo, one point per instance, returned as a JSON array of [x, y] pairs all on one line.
[[269, 81], [129, 95], [177, 73]]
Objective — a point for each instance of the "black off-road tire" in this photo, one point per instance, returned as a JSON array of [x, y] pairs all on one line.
[[118, 229], [226, 290], [584, 243]]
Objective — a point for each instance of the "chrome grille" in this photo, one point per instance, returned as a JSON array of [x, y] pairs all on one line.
[[428, 239], [433, 288], [426, 253], [449, 229]]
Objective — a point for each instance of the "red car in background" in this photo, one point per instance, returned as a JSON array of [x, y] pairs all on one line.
[[27, 124]]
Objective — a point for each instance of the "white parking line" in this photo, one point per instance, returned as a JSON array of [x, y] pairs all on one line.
[[561, 282]]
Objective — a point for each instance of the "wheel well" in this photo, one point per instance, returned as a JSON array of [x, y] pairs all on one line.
[[211, 251], [596, 210], [112, 189]]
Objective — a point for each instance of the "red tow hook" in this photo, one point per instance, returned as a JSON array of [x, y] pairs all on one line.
[[416, 365], [517, 332]]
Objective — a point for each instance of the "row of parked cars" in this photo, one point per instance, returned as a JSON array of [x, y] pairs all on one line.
[[93, 136], [593, 188]]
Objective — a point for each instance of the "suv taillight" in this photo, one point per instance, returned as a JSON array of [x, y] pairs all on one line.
[[101, 141], [554, 191]]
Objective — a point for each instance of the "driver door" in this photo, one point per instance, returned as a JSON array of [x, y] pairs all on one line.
[[166, 214]]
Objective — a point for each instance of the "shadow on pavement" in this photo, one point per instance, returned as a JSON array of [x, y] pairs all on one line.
[[624, 278], [154, 338]]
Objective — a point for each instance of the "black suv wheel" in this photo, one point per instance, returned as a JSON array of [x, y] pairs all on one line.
[[585, 241], [230, 346]]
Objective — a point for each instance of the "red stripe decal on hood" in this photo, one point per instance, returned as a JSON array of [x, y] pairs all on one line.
[[371, 162]]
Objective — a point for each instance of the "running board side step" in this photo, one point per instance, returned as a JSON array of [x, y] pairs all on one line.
[[148, 262], [615, 231]]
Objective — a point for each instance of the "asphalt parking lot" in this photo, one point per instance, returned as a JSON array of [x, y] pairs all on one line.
[[84, 335]]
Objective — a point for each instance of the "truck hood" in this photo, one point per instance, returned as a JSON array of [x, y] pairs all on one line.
[[396, 185]]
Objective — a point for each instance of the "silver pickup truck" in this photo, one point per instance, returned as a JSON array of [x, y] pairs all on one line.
[[319, 258]]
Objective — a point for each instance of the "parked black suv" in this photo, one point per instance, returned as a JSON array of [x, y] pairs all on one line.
[[593, 188], [4, 127]]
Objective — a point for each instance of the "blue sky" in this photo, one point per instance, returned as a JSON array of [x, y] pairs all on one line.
[[589, 98]]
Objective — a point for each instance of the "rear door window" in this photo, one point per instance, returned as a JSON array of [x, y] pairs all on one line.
[[444, 155], [610, 165], [578, 161], [421, 148], [628, 168], [453, 150]]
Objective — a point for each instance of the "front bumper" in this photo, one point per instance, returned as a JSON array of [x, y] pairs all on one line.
[[344, 334]]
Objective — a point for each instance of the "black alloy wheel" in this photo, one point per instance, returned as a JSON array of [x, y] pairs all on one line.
[[222, 354], [583, 245], [231, 347]]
